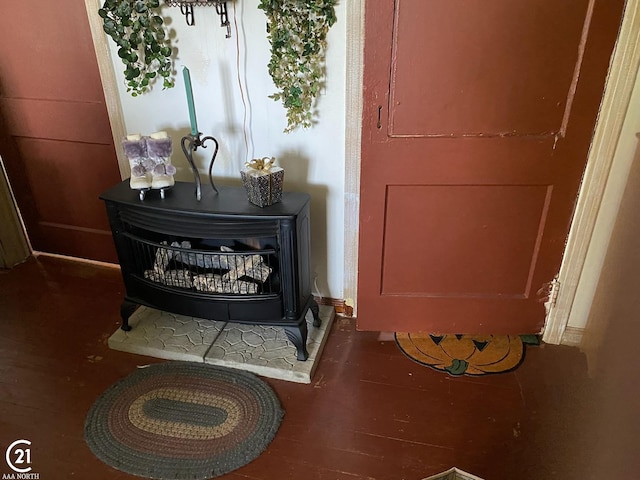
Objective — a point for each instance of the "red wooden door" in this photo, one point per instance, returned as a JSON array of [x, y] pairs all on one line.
[[478, 117], [55, 137]]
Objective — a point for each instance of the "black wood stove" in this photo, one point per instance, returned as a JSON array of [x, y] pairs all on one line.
[[220, 258]]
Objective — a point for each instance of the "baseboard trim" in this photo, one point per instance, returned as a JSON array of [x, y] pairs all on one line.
[[572, 336], [98, 263], [340, 306]]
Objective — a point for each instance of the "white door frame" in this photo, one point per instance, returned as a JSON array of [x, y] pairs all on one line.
[[586, 237], [620, 83], [353, 140], [109, 86], [14, 245]]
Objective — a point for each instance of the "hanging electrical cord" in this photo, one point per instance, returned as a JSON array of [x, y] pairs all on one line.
[[242, 96]]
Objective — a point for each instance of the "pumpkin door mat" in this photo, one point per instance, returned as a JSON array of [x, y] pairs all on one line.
[[466, 354]]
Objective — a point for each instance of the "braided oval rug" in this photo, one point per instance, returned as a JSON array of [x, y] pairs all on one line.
[[182, 420]]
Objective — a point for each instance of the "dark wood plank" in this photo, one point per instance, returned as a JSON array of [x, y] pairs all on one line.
[[370, 412]]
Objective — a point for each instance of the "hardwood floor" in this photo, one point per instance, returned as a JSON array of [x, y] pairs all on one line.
[[369, 413]]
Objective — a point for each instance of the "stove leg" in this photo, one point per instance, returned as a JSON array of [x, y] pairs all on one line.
[[126, 310], [315, 310], [298, 336]]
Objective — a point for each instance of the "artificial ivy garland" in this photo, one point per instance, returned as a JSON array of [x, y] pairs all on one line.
[[297, 31], [144, 47]]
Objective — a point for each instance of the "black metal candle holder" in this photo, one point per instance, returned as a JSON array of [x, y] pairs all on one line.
[[190, 143]]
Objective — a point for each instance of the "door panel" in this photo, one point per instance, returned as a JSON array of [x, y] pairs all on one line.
[[55, 137], [48, 52], [477, 122], [493, 230], [52, 162], [514, 66], [70, 121]]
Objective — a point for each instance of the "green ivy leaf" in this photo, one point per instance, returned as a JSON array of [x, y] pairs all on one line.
[[123, 10], [137, 28], [109, 24], [131, 73], [297, 30], [140, 7]]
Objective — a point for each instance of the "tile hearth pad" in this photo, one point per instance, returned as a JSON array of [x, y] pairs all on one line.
[[260, 349]]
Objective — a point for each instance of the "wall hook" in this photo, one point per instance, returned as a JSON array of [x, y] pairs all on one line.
[[186, 8]]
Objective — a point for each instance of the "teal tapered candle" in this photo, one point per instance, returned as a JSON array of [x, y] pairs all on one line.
[[192, 107]]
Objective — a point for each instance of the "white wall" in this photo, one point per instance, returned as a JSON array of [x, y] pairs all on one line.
[[313, 159]]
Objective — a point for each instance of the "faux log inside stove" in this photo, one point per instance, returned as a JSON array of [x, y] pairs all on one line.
[[220, 258]]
